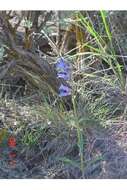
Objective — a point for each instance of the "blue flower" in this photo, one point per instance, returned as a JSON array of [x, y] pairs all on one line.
[[61, 65], [64, 90], [63, 69], [64, 75]]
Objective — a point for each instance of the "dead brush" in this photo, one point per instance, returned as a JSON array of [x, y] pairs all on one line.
[[22, 60]]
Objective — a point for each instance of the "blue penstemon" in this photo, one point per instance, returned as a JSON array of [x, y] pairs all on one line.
[[64, 72], [64, 90], [63, 69]]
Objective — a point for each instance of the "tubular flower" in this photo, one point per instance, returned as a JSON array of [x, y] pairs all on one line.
[[12, 155], [11, 142], [63, 69], [64, 90]]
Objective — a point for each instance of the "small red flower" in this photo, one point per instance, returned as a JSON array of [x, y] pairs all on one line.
[[12, 163], [12, 155], [11, 142]]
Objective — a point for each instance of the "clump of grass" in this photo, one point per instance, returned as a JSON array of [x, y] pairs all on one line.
[[103, 46]]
